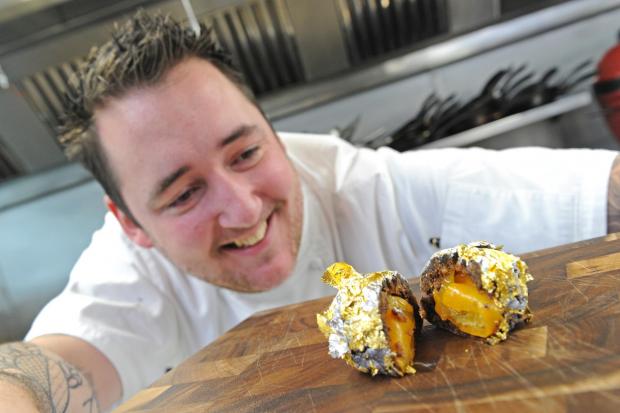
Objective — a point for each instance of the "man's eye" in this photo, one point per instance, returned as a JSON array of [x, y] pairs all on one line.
[[183, 198], [247, 155]]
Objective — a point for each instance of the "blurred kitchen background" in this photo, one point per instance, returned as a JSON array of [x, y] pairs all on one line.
[[406, 73]]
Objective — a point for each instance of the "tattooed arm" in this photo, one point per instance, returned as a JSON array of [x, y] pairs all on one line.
[[613, 198], [56, 374]]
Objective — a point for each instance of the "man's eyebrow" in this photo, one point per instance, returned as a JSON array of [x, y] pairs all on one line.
[[167, 181], [238, 133]]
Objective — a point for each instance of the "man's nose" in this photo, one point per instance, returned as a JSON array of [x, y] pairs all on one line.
[[239, 205]]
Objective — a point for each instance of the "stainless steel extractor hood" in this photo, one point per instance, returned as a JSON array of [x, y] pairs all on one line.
[[295, 53]]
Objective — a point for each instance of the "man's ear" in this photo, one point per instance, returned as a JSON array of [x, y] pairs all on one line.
[[131, 229]]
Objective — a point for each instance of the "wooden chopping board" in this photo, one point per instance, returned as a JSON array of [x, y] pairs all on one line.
[[566, 360]]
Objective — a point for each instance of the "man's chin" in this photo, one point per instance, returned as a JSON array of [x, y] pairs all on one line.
[[249, 282], [262, 277], [258, 284]]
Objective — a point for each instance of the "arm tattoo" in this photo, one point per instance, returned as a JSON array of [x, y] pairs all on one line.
[[613, 198], [56, 385]]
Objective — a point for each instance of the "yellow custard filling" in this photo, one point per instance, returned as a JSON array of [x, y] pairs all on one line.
[[400, 326], [469, 309]]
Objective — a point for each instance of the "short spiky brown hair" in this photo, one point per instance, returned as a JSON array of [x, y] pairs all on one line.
[[140, 53]]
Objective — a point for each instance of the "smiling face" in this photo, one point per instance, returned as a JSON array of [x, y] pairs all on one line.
[[201, 170]]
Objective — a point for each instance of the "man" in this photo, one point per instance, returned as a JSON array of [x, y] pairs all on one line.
[[215, 216]]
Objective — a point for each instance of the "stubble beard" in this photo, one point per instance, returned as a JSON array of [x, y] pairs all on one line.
[[294, 234], [297, 217]]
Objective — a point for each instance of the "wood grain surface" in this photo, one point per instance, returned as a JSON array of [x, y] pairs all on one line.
[[566, 360]]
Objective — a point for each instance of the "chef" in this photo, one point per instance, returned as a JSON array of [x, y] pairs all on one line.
[[213, 215]]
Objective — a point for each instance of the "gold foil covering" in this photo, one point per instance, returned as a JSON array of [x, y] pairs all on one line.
[[502, 275], [353, 322]]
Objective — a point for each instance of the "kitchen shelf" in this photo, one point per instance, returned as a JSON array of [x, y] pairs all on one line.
[[510, 123]]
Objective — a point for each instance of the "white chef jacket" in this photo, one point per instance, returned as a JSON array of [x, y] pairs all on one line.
[[374, 209]]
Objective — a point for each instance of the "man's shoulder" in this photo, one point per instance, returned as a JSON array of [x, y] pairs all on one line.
[[296, 141], [318, 158], [318, 150], [111, 252], [330, 163]]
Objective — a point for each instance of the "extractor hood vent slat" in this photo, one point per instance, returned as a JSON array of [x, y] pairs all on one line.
[[7, 168], [45, 92], [260, 37], [372, 28]]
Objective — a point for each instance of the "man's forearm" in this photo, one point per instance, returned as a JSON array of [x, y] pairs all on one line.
[[613, 198], [54, 385]]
